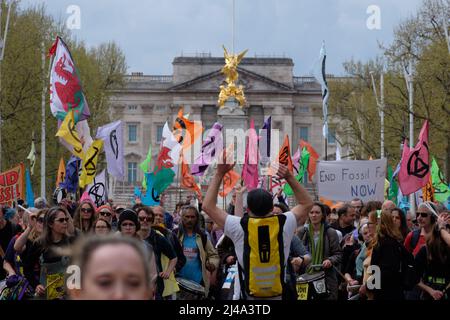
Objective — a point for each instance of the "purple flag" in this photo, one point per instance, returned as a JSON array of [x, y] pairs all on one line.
[[264, 144], [112, 136], [212, 146]]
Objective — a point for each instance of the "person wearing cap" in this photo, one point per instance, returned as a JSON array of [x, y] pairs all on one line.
[[128, 224], [259, 205]]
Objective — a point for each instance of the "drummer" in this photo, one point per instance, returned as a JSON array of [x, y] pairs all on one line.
[[201, 257]]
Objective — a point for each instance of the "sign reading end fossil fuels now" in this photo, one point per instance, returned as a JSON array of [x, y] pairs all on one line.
[[346, 180]]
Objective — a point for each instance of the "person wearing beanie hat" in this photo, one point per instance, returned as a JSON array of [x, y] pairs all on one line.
[[105, 212], [129, 223]]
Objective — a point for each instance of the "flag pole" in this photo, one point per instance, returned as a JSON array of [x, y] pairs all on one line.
[[412, 201], [43, 151]]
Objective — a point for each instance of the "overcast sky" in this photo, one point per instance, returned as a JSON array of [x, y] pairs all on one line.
[[153, 32]]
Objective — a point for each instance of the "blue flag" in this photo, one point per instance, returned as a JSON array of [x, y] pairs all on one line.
[[151, 197], [29, 189], [71, 180]]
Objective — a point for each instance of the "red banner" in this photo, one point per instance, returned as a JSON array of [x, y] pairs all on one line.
[[12, 186]]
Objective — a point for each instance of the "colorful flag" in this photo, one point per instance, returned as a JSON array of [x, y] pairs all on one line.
[[415, 164], [265, 140], [151, 197], [212, 146], [441, 188], [112, 136], [89, 167], [188, 180], [250, 168], [302, 166], [320, 75], [229, 181], [66, 93], [69, 134], [186, 131], [284, 156], [61, 172], [161, 180], [313, 157], [71, 180], [393, 186], [32, 157], [29, 189], [98, 189], [169, 153], [145, 166], [428, 191]]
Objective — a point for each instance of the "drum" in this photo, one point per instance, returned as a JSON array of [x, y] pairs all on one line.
[[311, 286], [58, 195], [190, 290]]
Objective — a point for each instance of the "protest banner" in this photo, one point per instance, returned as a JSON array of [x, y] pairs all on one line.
[[12, 185], [346, 180]]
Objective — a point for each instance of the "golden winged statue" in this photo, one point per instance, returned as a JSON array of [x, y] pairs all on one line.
[[230, 71]]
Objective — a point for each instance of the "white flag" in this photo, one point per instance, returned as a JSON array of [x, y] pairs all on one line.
[[320, 75], [98, 190], [338, 152], [112, 136]]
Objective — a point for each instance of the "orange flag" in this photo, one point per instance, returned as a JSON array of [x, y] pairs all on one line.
[[229, 181], [428, 191], [187, 180], [186, 131], [61, 173], [313, 157], [284, 156]]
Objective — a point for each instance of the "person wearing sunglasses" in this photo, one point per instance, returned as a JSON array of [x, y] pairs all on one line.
[[84, 217], [53, 265], [426, 217], [27, 264], [12, 263], [166, 258], [433, 266], [105, 212]]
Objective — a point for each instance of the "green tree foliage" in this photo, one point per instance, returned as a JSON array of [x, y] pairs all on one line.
[[353, 105], [24, 77]]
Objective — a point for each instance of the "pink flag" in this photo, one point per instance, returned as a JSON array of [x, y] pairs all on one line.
[[250, 168], [415, 164]]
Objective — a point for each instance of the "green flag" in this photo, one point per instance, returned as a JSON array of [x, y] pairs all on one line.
[[162, 179], [303, 165], [145, 166], [441, 189], [393, 188]]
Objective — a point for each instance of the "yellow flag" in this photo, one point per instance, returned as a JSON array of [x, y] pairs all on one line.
[[68, 133], [61, 173], [89, 167]]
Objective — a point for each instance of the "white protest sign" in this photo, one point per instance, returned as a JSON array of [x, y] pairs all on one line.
[[346, 180]]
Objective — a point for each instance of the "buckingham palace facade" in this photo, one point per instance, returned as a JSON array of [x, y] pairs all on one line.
[[146, 102]]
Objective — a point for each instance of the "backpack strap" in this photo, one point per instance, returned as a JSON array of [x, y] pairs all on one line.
[[414, 239]]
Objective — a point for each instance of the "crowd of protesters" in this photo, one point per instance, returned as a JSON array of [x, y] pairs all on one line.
[[141, 252]]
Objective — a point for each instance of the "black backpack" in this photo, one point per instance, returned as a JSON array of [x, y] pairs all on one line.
[[410, 278]]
